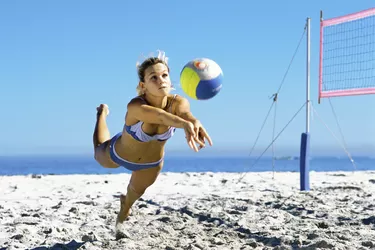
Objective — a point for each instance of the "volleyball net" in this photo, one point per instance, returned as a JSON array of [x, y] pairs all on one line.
[[347, 55], [346, 68]]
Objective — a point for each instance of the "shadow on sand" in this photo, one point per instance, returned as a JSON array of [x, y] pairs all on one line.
[[72, 245], [208, 218]]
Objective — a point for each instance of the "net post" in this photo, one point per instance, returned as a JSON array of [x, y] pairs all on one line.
[[305, 137], [320, 57]]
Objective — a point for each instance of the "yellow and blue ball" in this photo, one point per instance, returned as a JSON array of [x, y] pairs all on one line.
[[201, 79]]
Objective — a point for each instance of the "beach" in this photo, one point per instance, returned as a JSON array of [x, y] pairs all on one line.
[[256, 210]]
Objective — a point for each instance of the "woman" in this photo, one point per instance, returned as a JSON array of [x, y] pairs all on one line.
[[151, 119]]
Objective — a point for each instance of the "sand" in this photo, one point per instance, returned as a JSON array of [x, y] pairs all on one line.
[[190, 211]]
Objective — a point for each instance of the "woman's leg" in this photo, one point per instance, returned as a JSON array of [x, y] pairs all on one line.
[[139, 182], [101, 138], [101, 132]]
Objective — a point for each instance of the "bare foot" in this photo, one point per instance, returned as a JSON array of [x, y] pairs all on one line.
[[102, 109]]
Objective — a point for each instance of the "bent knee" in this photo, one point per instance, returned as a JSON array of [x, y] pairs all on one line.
[[102, 156], [100, 153]]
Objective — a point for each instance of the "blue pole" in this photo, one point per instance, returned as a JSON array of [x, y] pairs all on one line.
[[304, 162]]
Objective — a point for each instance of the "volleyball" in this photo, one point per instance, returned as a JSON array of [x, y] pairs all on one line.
[[201, 79]]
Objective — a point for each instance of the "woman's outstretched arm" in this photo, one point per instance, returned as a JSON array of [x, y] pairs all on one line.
[[183, 111]]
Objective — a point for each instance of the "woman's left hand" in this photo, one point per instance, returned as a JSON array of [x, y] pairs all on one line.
[[201, 132]]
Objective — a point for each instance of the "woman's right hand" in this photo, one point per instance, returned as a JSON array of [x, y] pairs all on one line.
[[191, 136]]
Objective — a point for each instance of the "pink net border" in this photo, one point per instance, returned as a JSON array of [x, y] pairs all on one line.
[[348, 18]]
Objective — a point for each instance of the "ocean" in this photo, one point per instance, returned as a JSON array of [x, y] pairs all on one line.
[[58, 165]]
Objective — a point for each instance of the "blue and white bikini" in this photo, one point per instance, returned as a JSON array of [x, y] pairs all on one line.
[[138, 134]]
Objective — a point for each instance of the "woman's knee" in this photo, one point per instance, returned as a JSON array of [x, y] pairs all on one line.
[[101, 155]]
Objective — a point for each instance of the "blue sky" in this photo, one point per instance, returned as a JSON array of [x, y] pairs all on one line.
[[60, 59]]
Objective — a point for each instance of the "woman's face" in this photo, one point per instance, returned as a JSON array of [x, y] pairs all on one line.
[[156, 80]]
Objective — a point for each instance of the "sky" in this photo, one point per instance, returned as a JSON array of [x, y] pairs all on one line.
[[60, 59]]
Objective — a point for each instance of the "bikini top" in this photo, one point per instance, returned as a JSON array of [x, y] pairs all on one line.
[[137, 132]]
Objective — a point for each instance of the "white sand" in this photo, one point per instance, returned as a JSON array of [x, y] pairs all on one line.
[[190, 211]]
